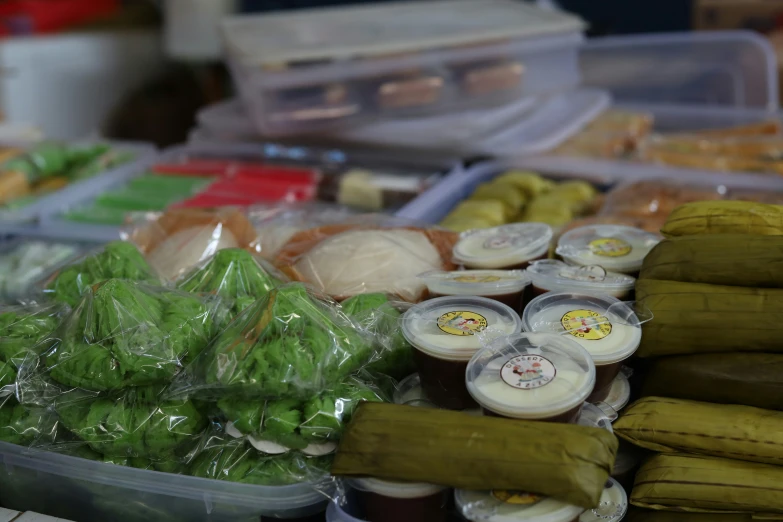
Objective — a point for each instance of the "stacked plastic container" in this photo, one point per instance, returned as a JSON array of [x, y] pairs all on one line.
[[406, 75]]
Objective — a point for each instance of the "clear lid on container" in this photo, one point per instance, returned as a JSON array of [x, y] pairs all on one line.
[[312, 36], [614, 247], [612, 507], [475, 282], [608, 328], [554, 275], [513, 506], [506, 245], [619, 393], [395, 489], [530, 375], [454, 327], [594, 417]]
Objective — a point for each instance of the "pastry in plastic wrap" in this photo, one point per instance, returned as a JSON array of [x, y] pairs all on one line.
[[366, 254], [655, 198], [117, 259], [292, 342], [409, 91], [490, 77], [180, 238]]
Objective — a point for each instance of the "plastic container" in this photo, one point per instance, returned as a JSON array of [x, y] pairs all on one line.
[[27, 217], [60, 485], [362, 62], [551, 275], [612, 507], [505, 286], [513, 506], [390, 501], [620, 393], [606, 327], [445, 333], [527, 376], [507, 246], [614, 247], [410, 393]]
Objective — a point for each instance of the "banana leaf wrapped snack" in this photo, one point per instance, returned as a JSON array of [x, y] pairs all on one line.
[[121, 334], [752, 379], [720, 430], [138, 422], [235, 275], [117, 259], [724, 217], [313, 425], [695, 483], [291, 342]]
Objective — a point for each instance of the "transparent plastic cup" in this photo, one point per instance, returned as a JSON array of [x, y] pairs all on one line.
[[513, 506], [531, 376], [512, 246], [551, 275], [505, 286], [616, 248], [445, 333], [390, 501]]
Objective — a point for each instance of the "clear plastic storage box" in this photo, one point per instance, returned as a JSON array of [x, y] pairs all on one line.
[[87, 491], [308, 71]]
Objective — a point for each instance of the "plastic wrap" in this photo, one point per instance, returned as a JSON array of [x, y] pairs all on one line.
[[26, 426], [653, 198], [235, 275], [180, 238], [115, 260], [381, 316], [223, 458], [121, 334], [290, 342], [365, 254], [28, 262], [135, 423], [312, 425]]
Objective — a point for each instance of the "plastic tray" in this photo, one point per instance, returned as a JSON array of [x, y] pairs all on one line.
[[316, 70], [19, 220], [52, 223], [668, 118], [79, 489], [526, 126]]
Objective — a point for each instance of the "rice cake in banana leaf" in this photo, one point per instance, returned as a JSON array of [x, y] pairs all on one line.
[[648, 515], [753, 379], [720, 259], [708, 484], [719, 430], [565, 461], [698, 318]]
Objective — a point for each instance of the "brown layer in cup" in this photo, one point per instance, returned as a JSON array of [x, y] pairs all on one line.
[[379, 508], [569, 417], [604, 377], [443, 381], [515, 299]]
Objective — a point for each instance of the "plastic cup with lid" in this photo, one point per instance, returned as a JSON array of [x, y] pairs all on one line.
[[605, 326], [612, 507], [616, 248], [619, 393], [505, 286], [531, 376], [445, 333], [410, 393], [551, 275], [594, 417], [392, 501], [507, 246], [513, 506]]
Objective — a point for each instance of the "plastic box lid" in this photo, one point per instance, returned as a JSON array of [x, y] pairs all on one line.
[[308, 36], [720, 68]]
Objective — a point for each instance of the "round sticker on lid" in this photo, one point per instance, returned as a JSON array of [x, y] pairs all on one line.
[[528, 372], [518, 498], [610, 247], [477, 278], [461, 323], [586, 324]]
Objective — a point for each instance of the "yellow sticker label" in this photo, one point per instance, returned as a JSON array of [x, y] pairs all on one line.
[[461, 323], [610, 247], [477, 278], [518, 498], [586, 324]]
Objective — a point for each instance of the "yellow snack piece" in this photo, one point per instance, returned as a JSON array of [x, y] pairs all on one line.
[[530, 183], [492, 211], [512, 197]]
